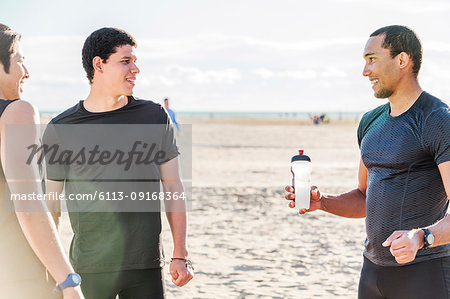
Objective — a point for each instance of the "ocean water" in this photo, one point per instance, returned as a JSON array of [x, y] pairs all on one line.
[[250, 114], [280, 114]]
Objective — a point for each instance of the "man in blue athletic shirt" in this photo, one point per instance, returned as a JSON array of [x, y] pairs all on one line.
[[404, 177], [171, 113]]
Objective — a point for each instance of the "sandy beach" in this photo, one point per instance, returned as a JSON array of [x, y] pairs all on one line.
[[243, 239]]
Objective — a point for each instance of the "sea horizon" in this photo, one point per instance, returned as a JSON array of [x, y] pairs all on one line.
[[251, 114]]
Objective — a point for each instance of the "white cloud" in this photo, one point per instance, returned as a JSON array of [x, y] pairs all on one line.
[[154, 80], [165, 81], [208, 43], [333, 73], [300, 74], [58, 79], [61, 40], [437, 46], [196, 70], [420, 8], [304, 45], [196, 75], [264, 73], [407, 6], [293, 74]]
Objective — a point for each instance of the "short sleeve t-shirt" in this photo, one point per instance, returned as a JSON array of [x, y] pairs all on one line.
[[113, 241], [404, 186]]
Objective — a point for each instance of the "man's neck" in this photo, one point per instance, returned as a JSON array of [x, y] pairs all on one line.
[[101, 102], [8, 96], [404, 97]]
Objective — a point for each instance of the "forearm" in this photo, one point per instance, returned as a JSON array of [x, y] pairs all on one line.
[[54, 190], [351, 204], [178, 225], [41, 233], [441, 231], [177, 218], [54, 208]]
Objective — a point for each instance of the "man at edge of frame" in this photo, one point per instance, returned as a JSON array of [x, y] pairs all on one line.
[[404, 177]]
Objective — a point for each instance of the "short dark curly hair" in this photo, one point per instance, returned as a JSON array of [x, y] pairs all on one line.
[[399, 39], [8, 39], [103, 43]]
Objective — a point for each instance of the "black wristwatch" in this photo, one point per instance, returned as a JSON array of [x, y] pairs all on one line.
[[428, 238]]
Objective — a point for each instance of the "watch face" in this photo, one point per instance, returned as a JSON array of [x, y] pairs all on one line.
[[76, 279], [430, 239]]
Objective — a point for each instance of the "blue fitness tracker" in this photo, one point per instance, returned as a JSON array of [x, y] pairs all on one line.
[[72, 280]]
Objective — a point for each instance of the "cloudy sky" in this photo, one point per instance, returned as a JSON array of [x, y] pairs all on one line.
[[245, 55]]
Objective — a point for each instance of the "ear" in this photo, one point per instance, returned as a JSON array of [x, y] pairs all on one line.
[[97, 63], [404, 60]]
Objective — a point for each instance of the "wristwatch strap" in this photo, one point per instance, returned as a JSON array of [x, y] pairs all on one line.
[[427, 232], [72, 280]]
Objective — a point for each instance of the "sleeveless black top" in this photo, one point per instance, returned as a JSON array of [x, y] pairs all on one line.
[[22, 275]]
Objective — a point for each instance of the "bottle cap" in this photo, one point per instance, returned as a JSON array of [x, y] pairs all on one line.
[[300, 157]]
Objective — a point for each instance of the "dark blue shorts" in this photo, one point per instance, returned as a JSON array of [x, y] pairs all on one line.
[[424, 280]]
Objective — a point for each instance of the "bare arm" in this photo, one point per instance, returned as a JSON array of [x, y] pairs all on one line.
[[176, 215], [54, 206], [351, 204], [441, 229], [175, 209], [23, 178]]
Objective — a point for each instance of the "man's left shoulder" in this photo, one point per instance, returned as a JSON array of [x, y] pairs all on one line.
[[436, 130], [152, 111], [435, 111], [432, 104], [148, 104]]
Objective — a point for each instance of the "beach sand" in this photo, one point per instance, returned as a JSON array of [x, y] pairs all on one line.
[[243, 239]]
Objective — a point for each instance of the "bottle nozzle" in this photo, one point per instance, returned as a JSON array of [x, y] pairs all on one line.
[[300, 152]]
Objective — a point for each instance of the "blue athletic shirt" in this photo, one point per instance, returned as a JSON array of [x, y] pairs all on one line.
[[404, 187]]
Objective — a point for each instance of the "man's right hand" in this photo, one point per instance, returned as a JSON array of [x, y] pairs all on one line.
[[181, 272], [315, 199]]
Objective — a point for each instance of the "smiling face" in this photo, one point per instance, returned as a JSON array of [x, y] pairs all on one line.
[[118, 73], [383, 70], [11, 82]]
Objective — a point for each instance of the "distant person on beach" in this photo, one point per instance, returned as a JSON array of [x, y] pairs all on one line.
[[171, 113], [404, 177], [120, 253], [324, 118], [316, 119], [29, 240]]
